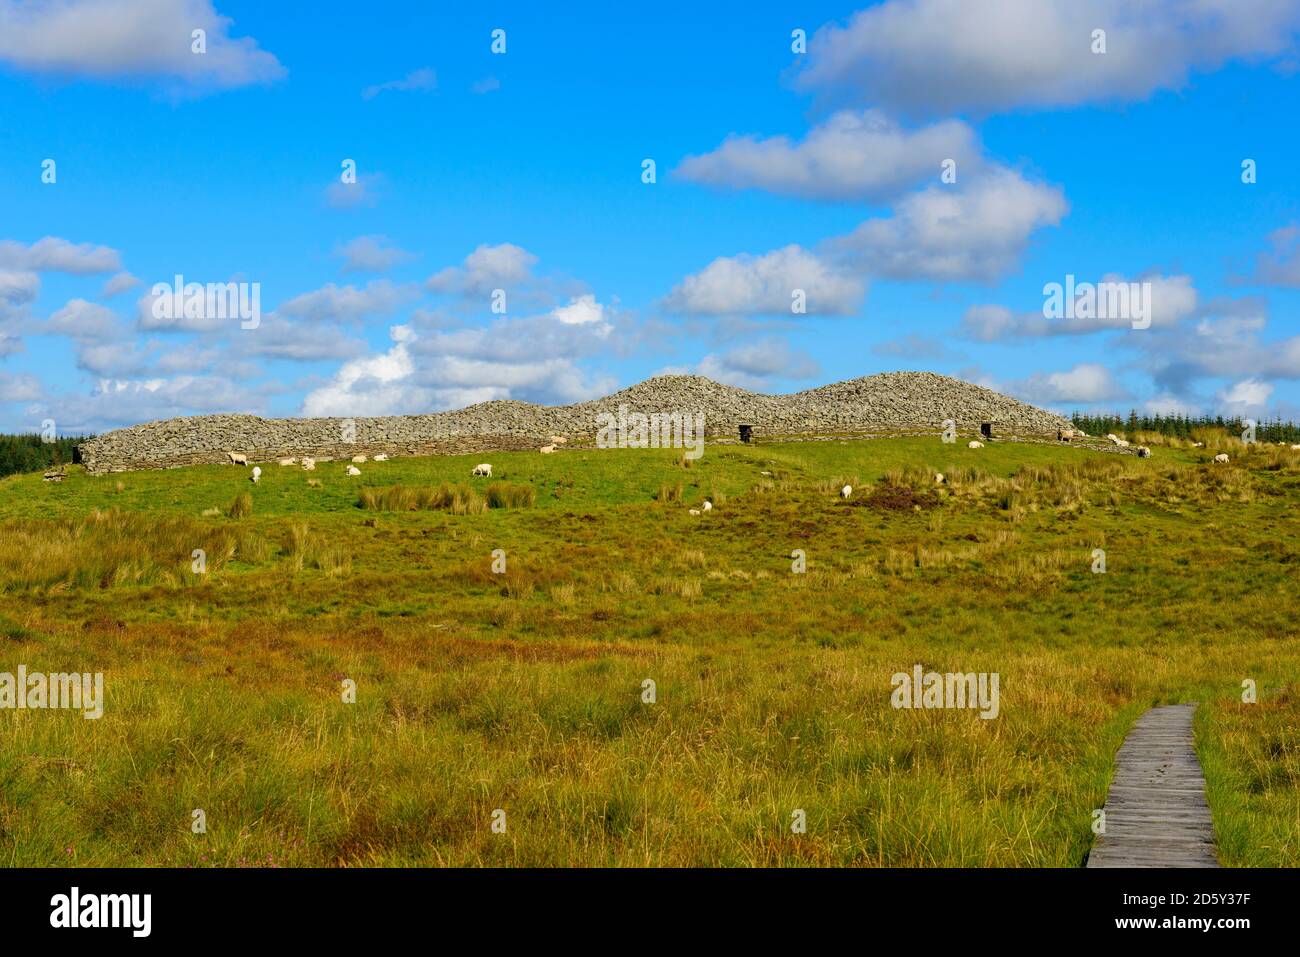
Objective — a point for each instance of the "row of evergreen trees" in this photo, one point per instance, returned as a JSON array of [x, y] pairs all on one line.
[[28, 453], [1182, 426]]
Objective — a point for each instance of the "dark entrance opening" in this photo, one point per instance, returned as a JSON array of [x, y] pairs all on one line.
[[986, 429], [746, 433]]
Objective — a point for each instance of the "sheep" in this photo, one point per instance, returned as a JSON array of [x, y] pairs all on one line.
[[846, 491], [1295, 448], [353, 470], [939, 479], [1198, 445], [288, 461], [974, 444], [695, 511], [1221, 458], [308, 464], [483, 469], [1143, 452], [257, 475], [358, 459], [707, 506], [547, 449], [381, 457], [238, 458]]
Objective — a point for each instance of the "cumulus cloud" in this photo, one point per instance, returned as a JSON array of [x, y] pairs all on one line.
[[488, 267], [364, 193], [1087, 382], [1247, 397], [279, 338], [19, 387], [131, 38], [83, 320], [52, 254], [765, 285], [1281, 265], [1172, 299], [928, 57], [914, 346], [423, 79], [851, 156], [756, 365], [116, 402], [333, 303], [118, 283], [371, 254], [976, 232]]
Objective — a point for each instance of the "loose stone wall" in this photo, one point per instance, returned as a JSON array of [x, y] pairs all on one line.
[[880, 403]]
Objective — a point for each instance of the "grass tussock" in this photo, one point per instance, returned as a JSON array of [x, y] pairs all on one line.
[[455, 498], [241, 507]]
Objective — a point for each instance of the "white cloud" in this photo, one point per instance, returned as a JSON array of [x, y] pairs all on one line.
[[765, 284], [851, 156], [756, 365], [333, 303], [582, 311], [1172, 299], [371, 254], [974, 232], [1281, 266], [1249, 396], [486, 268], [131, 38], [423, 79], [1086, 383], [926, 57], [279, 338], [20, 387], [120, 282], [83, 320], [52, 254]]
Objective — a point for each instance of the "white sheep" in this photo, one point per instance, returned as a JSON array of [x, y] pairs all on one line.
[[846, 491], [381, 457], [707, 506], [288, 461], [308, 464], [238, 458], [694, 511], [483, 469], [1222, 458], [1143, 452], [353, 470], [257, 474], [547, 449], [1295, 448], [358, 459], [974, 444], [939, 479]]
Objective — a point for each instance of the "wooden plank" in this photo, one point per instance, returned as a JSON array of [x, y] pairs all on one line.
[[1156, 812]]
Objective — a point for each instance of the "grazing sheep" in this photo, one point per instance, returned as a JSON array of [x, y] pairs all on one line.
[[1143, 452], [288, 461], [358, 459], [313, 483], [695, 511], [974, 444], [939, 479], [381, 457], [353, 470], [846, 491], [547, 449], [1198, 445], [1222, 458], [238, 458], [257, 475], [483, 469], [308, 464], [707, 505]]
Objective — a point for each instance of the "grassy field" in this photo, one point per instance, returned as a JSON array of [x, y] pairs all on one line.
[[523, 691]]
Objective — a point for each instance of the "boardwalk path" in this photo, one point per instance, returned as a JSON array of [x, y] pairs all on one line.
[[1156, 813]]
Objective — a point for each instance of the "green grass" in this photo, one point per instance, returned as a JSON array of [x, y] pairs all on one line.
[[523, 690]]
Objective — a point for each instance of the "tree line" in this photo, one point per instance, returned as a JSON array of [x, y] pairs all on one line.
[[30, 453], [1182, 426]]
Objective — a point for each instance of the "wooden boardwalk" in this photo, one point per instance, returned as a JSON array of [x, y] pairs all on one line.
[[1156, 813]]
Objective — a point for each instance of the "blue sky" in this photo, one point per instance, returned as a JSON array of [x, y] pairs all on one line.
[[521, 171]]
